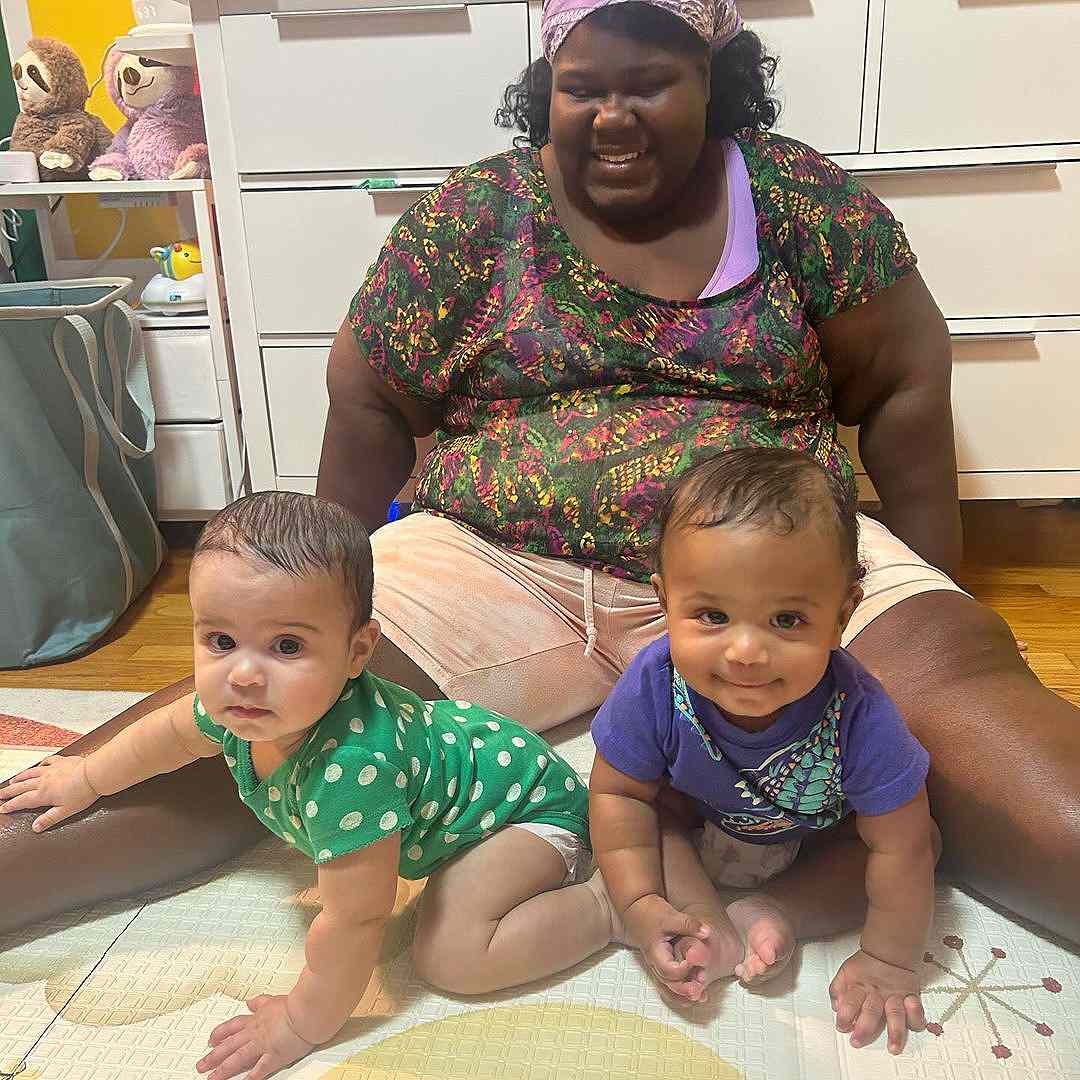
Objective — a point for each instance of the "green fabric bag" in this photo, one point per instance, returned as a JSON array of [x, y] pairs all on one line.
[[78, 536]]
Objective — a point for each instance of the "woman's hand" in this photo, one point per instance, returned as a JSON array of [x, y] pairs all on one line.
[[57, 782], [654, 927], [869, 995], [255, 1045]]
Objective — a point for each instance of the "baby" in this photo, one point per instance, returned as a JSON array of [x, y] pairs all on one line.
[[362, 776], [750, 708]]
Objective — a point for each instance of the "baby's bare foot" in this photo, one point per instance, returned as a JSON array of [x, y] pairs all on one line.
[[767, 935], [716, 956]]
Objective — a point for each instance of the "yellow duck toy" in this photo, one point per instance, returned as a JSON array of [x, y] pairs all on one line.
[[180, 260], [180, 288]]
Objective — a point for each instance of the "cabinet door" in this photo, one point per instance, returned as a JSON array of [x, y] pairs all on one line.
[[993, 242], [1014, 403], [309, 252], [296, 395], [371, 88], [822, 51], [971, 73]]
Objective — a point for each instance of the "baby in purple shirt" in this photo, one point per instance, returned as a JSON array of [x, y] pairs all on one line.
[[771, 732]]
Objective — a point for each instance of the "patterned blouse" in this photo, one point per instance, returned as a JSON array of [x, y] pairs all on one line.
[[570, 401]]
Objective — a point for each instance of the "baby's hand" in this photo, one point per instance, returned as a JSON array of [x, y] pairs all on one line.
[[257, 1044], [869, 995], [57, 782], [654, 926]]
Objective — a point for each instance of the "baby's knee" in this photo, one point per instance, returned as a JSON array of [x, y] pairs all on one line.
[[440, 960]]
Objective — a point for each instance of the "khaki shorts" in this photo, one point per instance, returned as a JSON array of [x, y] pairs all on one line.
[[544, 640]]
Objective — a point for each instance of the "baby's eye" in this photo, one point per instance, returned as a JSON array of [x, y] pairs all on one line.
[[220, 642], [788, 620], [289, 646], [713, 618]]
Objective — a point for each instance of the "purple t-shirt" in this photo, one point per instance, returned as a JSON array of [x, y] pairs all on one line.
[[843, 747]]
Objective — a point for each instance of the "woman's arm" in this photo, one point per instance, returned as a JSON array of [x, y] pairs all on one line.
[[368, 450], [890, 360]]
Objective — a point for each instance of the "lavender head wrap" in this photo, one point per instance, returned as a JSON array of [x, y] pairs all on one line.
[[715, 21]]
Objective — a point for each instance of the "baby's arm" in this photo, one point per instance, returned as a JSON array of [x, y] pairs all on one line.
[[342, 947], [879, 985], [626, 840], [162, 741]]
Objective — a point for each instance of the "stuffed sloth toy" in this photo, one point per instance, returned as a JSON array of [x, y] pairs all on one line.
[[53, 123], [164, 137]]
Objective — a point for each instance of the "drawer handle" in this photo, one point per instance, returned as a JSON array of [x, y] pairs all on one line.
[[406, 9], [997, 335], [910, 170]]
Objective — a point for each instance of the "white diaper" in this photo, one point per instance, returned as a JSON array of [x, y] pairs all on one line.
[[735, 864], [569, 845]]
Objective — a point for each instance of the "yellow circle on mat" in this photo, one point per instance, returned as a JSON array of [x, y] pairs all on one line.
[[552, 1041]]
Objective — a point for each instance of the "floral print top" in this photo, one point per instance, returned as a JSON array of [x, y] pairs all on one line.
[[570, 401]]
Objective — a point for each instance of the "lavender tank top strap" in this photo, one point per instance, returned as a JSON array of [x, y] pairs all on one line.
[[740, 256]]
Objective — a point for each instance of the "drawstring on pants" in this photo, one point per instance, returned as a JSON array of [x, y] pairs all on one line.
[[590, 624]]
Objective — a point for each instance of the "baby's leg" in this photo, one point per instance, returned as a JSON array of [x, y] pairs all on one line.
[[690, 890], [497, 917]]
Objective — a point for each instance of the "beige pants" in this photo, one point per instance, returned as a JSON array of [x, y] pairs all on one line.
[[544, 640]]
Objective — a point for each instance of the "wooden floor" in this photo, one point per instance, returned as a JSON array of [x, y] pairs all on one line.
[[1025, 563]]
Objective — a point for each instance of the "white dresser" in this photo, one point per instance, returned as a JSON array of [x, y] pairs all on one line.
[[963, 115]]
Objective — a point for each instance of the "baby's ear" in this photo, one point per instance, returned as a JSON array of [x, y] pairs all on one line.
[[853, 601], [657, 583], [362, 646]]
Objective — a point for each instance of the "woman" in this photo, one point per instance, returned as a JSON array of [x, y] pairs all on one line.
[[654, 280]]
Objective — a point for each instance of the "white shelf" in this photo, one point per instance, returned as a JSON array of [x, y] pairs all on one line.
[[171, 47], [101, 187]]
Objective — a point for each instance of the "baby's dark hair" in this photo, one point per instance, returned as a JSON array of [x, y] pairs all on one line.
[[299, 534], [767, 487]]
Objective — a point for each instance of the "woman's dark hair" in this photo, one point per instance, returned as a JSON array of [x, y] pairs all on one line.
[[741, 76]]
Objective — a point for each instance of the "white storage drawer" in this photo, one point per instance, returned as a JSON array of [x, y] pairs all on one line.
[[821, 46], [312, 91], [296, 394], [971, 73], [992, 242], [309, 251], [1014, 403], [192, 470], [182, 378]]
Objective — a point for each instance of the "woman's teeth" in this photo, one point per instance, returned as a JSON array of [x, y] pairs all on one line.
[[618, 159]]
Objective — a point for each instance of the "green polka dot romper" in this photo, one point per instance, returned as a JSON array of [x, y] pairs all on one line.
[[444, 774]]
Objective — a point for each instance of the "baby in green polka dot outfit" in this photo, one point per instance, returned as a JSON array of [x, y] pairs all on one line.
[[361, 775]]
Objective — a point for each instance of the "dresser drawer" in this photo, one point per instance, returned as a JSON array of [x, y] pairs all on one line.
[[972, 73], [810, 40], [992, 242], [309, 251], [183, 383], [371, 89], [1014, 403], [192, 469], [298, 401]]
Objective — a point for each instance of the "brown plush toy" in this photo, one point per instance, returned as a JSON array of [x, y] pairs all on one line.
[[53, 123]]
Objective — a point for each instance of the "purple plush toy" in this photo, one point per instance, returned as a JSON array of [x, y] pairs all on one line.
[[164, 138]]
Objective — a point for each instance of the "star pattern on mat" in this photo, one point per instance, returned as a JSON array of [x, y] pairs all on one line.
[[976, 985]]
